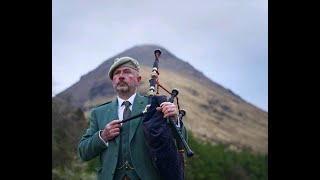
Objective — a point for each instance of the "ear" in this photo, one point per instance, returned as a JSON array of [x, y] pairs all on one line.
[[138, 78]]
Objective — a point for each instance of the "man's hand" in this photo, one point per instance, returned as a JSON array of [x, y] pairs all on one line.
[[169, 110], [111, 130]]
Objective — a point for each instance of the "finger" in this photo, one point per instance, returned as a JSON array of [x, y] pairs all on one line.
[[168, 106], [115, 122], [170, 112], [113, 133], [115, 130], [167, 109], [117, 125], [116, 134], [162, 104]]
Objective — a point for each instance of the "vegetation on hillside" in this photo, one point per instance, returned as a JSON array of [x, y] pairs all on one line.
[[217, 162], [68, 123]]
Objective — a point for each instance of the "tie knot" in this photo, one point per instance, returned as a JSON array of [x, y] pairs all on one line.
[[126, 104]]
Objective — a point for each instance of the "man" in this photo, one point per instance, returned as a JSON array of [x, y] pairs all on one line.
[[121, 147]]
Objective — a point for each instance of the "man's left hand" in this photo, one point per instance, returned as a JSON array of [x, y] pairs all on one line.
[[169, 110]]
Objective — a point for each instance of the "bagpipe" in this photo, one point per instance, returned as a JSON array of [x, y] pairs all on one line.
[[165, 141]]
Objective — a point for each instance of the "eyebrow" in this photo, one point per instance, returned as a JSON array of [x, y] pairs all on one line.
[[125, 70]]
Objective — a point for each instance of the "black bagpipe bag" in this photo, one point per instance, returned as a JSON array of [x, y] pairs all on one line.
[[161, 142]]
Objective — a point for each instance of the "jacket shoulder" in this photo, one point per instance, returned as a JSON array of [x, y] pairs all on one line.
[[102, 104]]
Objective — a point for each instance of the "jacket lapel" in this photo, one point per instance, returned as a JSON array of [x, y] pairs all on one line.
[[113, 114], [138, 105]]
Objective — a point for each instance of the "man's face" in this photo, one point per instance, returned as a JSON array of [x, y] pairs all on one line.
[[125, 80]]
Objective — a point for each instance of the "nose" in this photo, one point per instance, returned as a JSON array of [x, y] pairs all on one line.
[[121, 75]]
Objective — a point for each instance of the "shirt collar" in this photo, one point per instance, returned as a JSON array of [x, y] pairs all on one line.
[[120, 101]]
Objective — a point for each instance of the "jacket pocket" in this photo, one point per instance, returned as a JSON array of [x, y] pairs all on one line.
[[99, 172]]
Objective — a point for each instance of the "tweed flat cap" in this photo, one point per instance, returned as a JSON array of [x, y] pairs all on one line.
[[123, 62]]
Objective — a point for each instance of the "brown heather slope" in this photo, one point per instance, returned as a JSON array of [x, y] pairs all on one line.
[[213, 112]]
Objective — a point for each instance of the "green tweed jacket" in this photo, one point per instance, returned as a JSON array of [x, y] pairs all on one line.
[[91, 146]]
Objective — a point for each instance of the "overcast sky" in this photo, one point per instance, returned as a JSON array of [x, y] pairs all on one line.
[[227, 40]]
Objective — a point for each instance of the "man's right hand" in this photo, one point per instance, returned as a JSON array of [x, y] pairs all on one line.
[[111, 130]]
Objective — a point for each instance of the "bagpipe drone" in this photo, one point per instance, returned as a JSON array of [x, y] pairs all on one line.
[[165, 140]]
